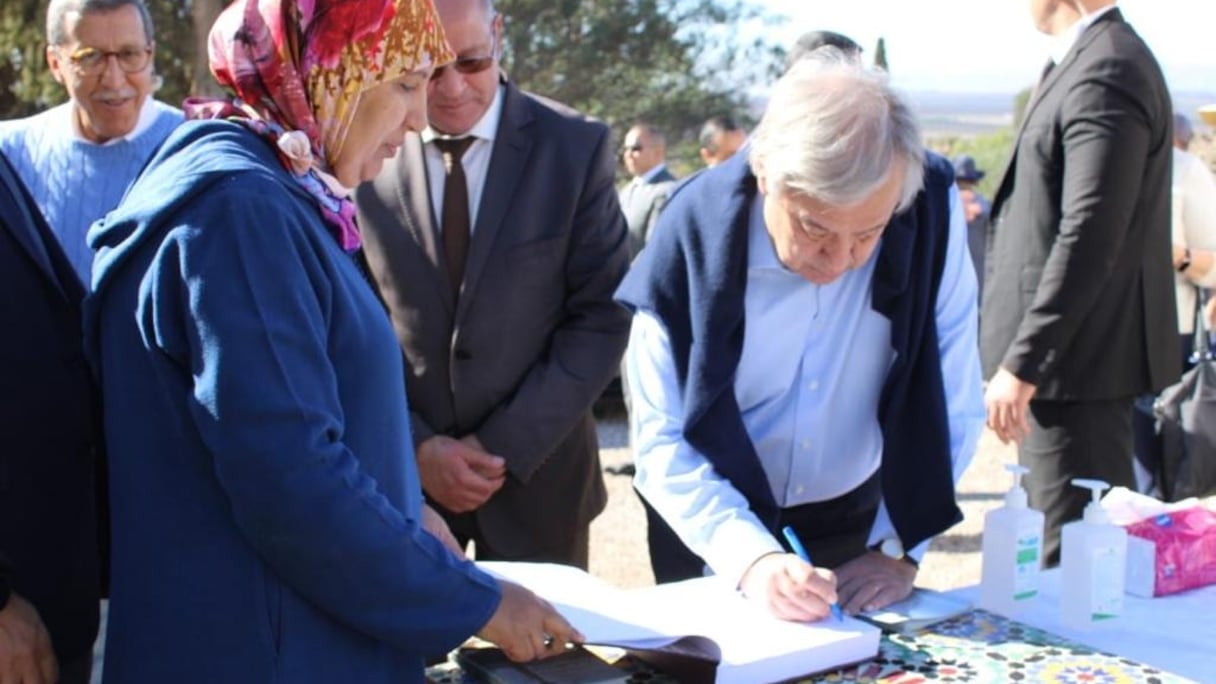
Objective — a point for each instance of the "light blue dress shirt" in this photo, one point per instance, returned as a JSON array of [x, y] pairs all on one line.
[[813, 364]]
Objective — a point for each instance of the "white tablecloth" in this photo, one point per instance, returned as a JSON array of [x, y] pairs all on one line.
[[1174, 633]]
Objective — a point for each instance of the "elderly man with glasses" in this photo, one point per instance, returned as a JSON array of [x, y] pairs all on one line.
[[496, 239], [78, 158]]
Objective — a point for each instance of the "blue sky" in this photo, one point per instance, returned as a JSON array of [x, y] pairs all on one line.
[[991, 45]]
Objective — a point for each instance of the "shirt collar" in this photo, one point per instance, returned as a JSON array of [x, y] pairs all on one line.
[[650, 175], [147, 116], [761, 254], [1061, 44], [486, 127]]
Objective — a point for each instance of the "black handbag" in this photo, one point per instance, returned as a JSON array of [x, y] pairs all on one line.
[[1185, 415]]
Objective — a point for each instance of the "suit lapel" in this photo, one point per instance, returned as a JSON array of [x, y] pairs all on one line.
[[1054, 77], [508, 160], [24, 226]]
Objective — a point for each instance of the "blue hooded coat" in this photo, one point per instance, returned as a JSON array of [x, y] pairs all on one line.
[[266, 504]]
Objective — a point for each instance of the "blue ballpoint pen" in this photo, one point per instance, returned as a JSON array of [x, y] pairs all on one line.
[[796, 545]]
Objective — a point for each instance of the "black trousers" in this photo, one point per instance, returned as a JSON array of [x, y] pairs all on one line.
[[573, 551], [833, 532], [670, 559], [77, 671], [1072, 439]]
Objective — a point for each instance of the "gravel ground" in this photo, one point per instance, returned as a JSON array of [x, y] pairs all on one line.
[[618, 535]]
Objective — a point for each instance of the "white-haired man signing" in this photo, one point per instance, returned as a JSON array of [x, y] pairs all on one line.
[[803, 351]]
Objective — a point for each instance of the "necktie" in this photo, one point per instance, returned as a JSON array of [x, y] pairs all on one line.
[[455, 217]]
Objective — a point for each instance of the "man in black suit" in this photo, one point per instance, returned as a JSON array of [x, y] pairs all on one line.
[[1078, 312], [49, 560], [501, 297]]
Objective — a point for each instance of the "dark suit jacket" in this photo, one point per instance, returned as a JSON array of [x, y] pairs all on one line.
[[1077, 296], [642, 202], [48, 511], [535, 336]]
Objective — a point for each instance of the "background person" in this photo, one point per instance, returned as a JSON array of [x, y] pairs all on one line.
[[50, 563], [1078, 313], [976, 208], [813, 40], [1193, 231], [643, 197], [78, 158], [720, 138], [501, 296]]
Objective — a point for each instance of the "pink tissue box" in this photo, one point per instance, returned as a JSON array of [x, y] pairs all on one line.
[[1171, 552]]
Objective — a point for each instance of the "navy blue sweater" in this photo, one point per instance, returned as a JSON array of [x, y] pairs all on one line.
[[692, 276]]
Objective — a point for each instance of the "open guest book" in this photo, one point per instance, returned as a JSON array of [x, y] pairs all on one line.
[[698, 630]]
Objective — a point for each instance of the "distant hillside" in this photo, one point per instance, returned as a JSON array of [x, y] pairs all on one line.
[[944, 114], [966, 114]]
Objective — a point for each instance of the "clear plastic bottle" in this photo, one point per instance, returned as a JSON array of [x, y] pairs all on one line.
[[1093, 560], [1012, 552]]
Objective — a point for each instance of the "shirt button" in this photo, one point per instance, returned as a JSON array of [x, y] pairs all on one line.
[[806, 444], [814, 385], [799, 489]]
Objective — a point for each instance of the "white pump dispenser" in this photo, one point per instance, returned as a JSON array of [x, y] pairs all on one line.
[[1012, 551], [1093, 559]]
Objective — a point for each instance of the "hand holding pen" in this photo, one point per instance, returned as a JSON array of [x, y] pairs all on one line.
[[790, 588], [797, 547]]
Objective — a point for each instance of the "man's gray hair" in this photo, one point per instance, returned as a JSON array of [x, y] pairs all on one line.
[[833, 129], [58, 10]]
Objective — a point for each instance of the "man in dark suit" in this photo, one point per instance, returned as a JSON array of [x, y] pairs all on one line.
[[1078, 312], [643, 197], [49, 558], [508, 347]]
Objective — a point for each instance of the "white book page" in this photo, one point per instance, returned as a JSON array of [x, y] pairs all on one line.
[[743, 629], [708, 607], [603, 613]]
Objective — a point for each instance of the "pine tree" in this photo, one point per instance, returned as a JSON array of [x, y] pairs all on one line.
[[880, 55]]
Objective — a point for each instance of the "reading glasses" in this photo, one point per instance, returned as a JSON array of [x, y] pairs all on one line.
[[89, 60]]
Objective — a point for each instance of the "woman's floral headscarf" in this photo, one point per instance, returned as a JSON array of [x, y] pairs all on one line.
[[297, 69]]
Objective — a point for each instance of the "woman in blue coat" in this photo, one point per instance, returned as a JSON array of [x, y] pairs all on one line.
[[268, 524]]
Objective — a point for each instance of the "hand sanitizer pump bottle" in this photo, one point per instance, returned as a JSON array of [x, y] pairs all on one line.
[[1093, 558], [1012, 551]]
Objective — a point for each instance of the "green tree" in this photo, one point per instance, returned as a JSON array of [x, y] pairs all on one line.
[[30, 87], [880, 55], [673, 63]]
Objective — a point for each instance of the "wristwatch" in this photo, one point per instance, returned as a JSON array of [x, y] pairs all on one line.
[[891, 547], [1186, 260]]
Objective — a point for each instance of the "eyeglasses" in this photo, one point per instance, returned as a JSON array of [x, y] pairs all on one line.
[[632, 148], [90, 60], [465, 65]]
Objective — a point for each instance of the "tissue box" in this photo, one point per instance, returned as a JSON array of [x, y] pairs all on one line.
[[1171, 552]]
